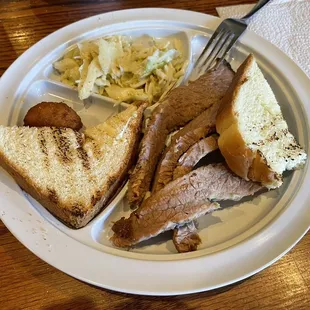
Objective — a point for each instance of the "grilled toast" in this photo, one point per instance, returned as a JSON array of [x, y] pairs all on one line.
[[73, 175], [254, 137]]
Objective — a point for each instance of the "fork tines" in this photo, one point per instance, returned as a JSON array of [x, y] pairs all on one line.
[[216, 49]]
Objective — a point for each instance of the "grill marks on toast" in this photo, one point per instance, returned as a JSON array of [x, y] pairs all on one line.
[[43, 147], [42, 141], [52, 195], [64, 152], [59, 142], [68, 147], [82, 154]]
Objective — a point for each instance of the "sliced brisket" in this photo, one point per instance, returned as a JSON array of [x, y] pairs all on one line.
[[181, 106], [189, 159], [194, 131], [185, 237], [179, 202]]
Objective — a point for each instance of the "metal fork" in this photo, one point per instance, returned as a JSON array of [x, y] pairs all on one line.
[[222, 40]]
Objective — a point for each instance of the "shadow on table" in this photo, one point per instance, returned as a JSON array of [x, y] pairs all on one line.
[[75, 303], [137, 302], [134, 302]]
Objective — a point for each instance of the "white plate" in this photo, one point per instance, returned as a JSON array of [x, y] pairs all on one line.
[[237, 242]]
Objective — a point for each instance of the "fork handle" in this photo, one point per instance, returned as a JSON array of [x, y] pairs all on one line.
[[257, 7]]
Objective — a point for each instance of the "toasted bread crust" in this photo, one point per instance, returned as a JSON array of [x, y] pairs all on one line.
[[119, 178], [246, 163], [79, 217], [64, 213], [28, 186]]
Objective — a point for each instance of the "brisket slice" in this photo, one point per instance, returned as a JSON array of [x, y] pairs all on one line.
[[194, 131], [185, 237], [181, 201], [197, 151], [181, 106]]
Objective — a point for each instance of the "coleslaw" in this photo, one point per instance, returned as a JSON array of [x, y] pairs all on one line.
[[123, 68]]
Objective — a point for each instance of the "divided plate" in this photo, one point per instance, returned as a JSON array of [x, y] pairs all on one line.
[[236, 241]]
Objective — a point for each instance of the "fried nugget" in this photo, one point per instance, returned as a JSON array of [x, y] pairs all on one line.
[[52, 114]]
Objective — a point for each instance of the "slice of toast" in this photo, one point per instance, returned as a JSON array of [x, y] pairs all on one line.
[[73, 175], [254, 137]]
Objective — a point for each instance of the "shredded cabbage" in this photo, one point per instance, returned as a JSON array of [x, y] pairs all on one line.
[[122, 68]]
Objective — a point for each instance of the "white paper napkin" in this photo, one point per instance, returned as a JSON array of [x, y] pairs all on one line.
[[285, 23]]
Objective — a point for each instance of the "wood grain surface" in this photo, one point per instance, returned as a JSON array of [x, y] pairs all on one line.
[[26, 282]]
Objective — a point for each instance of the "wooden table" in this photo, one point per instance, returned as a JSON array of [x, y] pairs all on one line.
[[26, 282]]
